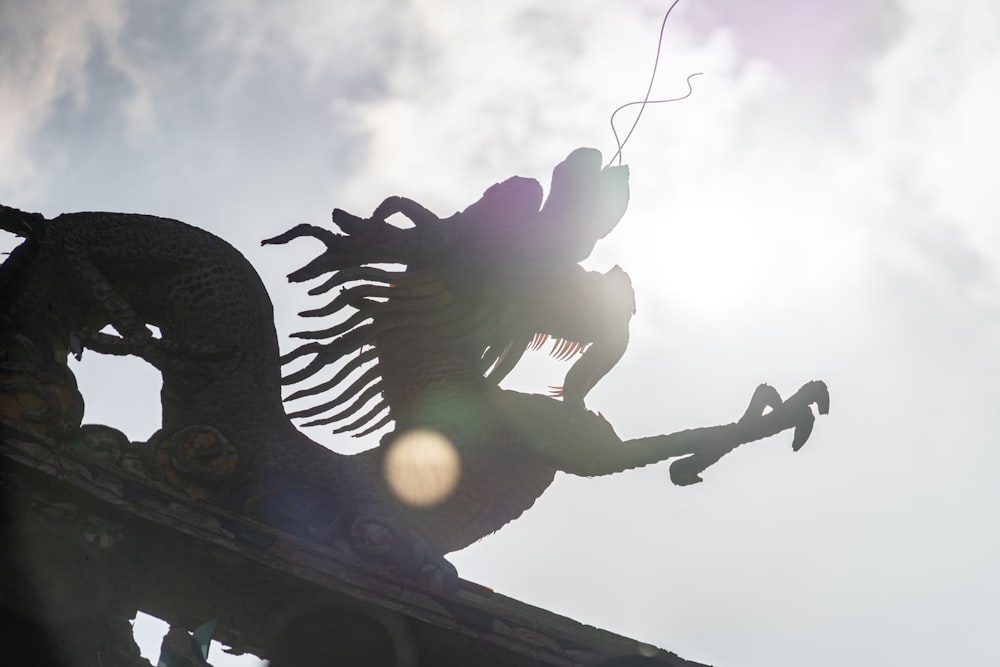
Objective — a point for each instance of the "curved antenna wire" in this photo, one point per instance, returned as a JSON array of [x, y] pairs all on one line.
[[644, 103], [649, 90]]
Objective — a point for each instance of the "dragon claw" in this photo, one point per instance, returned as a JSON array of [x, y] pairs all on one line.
[[684, 472], [764, 396], [766, 415], [818, 394], [811, 393], [803, 430]]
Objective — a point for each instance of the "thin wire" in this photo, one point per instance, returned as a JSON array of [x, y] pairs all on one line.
[[645, 102], [649, 90]]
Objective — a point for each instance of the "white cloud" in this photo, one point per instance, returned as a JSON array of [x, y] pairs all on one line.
[[45, 50], [485, 90], [353, 40], [768, 240], [930, 128]]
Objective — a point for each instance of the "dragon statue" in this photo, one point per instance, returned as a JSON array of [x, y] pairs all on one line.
[[427, 320]]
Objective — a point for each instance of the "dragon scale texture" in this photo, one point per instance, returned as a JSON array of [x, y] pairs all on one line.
[[426, 321]]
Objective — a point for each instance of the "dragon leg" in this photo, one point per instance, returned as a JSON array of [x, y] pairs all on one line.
[[712, 443], [584, 443]]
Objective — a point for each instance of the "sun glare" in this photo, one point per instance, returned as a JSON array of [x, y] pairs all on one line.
[[422, 467]]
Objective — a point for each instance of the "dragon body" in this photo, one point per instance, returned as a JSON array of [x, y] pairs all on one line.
[[425, 322]]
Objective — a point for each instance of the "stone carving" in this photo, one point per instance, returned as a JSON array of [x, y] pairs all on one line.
[[424, 344]]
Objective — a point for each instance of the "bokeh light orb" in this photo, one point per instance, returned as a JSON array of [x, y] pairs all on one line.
[[422, 467]]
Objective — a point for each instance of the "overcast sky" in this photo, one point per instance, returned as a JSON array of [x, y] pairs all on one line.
[[824, 206]]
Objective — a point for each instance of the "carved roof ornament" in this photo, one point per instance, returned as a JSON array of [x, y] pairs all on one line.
[[421, 347], [427, 320]]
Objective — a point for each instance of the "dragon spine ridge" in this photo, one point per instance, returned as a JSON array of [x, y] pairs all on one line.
[[422, 347]]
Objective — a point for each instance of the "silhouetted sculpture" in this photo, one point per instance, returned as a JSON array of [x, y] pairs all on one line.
[[428, 341]]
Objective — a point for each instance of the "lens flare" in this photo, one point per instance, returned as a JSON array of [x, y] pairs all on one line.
[[422, 467]]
